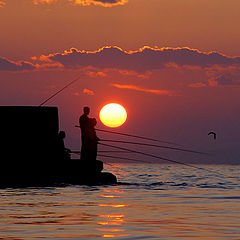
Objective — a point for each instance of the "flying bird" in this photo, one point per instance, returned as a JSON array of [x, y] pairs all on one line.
[[212, 133]]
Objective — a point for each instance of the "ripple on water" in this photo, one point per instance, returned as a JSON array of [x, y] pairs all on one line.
[[150, 202]]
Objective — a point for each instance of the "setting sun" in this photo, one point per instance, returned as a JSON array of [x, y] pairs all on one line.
[[113, 115]]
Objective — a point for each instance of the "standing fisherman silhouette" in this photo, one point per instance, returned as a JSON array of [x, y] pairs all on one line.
[[89, 136], [84, 122]]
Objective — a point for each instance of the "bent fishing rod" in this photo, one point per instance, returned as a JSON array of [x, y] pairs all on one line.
[[158, 157]]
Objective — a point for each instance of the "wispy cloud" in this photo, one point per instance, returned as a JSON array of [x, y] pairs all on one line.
[[2, 4], [197, 85], [88, 92], [103, 3], [36, 2], [95, 74], [140, 89]]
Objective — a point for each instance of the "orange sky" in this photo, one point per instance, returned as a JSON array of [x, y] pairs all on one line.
[[184, 83], [29, 29]]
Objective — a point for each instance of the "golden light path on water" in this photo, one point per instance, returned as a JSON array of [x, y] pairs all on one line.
[[113, 115]]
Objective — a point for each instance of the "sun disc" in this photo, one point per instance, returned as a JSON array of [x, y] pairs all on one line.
[[113, 115]]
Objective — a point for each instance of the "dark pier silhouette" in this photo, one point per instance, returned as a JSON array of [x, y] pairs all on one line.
[[33, 151]]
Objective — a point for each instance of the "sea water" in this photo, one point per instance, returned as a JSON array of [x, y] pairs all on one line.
[[151, 201]]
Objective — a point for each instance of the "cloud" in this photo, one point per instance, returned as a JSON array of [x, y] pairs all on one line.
[[225, 81], [2, 4], [95, 74], [144, 59], [103, 3], [197, 85], [88, 92], [166, 68], [37, 2], [7, 65], [136, 88]]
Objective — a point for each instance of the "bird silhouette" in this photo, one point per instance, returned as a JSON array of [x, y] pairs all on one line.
[[213, 133]]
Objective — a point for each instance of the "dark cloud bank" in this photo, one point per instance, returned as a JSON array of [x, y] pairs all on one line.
[[142, 60], [113, 57], [6, 65]]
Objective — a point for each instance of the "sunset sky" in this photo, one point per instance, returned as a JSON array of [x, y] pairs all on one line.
[[174, 65]]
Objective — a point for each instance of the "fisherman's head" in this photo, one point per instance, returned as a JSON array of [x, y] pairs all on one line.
[[86, 110]]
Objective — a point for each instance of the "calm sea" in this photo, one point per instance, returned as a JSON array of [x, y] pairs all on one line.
[[152, 201]]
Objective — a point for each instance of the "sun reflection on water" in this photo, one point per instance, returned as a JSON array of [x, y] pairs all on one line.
[[114, 235], [112, 225], [109, 205], [108, 196]]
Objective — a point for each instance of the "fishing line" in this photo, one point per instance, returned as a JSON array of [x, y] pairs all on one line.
[[123, 158], [107, 156], [134, 136], [153, 145], [162, 158], [150, 155], [52, 96], [103, 151], [78, 153]]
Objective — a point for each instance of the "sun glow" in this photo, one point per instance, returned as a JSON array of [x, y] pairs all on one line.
[[113, 115]]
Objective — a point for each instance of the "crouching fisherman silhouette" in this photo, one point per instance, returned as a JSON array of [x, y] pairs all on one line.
[[63, 152]]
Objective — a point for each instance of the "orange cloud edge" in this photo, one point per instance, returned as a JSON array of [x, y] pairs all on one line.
[[157, 49], [84, 2], [45, 62]]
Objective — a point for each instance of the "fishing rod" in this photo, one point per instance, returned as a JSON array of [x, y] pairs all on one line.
[[153, 145], [53, 95], [134, 136], [162, 158], [102, 151]]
